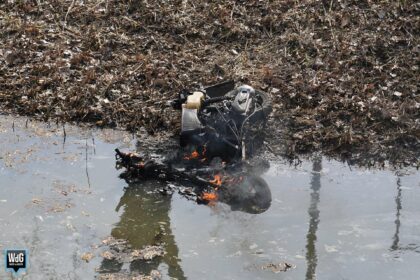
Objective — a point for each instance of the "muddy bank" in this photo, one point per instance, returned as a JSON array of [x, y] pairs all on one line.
[[343, 76]]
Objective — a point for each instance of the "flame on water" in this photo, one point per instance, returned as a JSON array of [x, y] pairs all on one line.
[[217, 180]]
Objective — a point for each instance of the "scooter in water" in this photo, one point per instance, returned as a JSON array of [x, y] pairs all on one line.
[[221, 129]]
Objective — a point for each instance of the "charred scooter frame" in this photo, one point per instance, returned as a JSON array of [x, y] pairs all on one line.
[[227, 121], [222, 122]]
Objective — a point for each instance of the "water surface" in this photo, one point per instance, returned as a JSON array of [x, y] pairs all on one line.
[[60, 196]]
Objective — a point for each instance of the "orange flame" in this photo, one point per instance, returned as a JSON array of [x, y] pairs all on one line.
[[193, 155], [209, 196], [217, 180]]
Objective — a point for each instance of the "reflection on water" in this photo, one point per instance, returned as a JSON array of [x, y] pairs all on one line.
[[145, 221], [311, 256], [396, 237], [396, 246]]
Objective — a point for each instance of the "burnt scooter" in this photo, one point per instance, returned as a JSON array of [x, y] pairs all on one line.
[[227, 121], [218, 122]]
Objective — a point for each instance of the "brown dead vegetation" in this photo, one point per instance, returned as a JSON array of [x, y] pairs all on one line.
[[343, 75]]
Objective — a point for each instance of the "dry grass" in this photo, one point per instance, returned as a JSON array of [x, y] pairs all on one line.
[[343, 75]]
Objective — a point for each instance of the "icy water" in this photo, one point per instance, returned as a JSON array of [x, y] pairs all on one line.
[[60, 197]]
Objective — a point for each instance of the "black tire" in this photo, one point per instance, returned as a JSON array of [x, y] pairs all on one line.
[[252, 195], [265, 103]]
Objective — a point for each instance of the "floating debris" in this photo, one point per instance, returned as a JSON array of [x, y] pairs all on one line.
[[278, 267], [121, 250], [154, 275], [107, 255], [148, 253], [87, 256], [36, 200]]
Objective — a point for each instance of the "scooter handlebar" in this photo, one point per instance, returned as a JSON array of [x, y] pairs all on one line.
[[215, 100]]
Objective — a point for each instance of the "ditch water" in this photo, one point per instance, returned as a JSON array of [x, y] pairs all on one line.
[[61, 196]]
